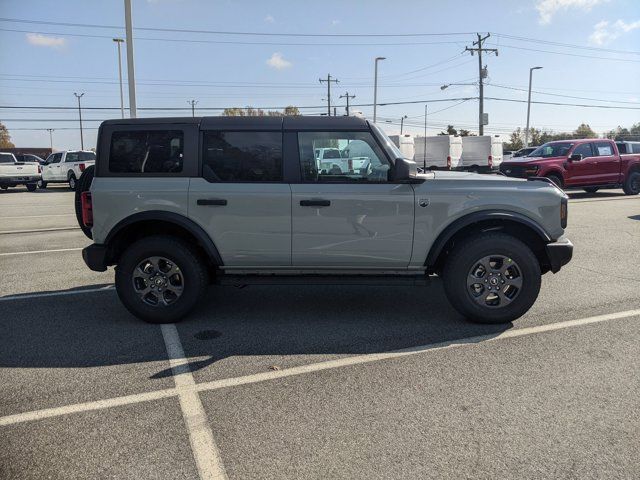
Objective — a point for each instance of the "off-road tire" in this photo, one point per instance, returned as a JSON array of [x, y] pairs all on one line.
[[42, 184], [462, 259], [632, 184], [73, 182], [83, 184], [184, 256], [32, 187]]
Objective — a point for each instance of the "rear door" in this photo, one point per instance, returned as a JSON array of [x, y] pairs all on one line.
[[608, 163], [349, 219], [240, 198]]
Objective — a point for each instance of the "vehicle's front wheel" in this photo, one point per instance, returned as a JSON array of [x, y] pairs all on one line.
[[555, 179], [72, 181], [42, 184], [492, 278], [632, 184], [160, 279], [32, 187]]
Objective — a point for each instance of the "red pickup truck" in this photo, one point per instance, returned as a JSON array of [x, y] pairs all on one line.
[[589, 164]]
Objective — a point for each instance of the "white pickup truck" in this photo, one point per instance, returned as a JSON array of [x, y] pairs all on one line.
[[14, 173], [66, 167]]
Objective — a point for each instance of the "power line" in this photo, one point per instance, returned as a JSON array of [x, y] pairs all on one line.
[[593, 57], [566, 45], [560, 95]]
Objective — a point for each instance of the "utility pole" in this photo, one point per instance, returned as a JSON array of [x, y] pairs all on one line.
[[424, 159], [347, 96], [375, 87], [133, 112], [193, 104], [402, 122], [481, 75], [329, 81], [80, 115], [119, 41], [50, 138]]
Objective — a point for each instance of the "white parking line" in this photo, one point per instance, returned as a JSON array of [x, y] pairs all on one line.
[[56, 229], [27, 296], [313, 367], [41, 251], [203, 446], [40, 216]]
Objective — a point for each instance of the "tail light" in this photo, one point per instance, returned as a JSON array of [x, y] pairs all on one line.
[[82, 167], [449, 162], [350, 164], [87, 209], [490, 161]]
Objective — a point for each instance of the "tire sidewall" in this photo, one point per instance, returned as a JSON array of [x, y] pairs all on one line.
[[73, 183], [177, 252], [457, 270], [628, 187]]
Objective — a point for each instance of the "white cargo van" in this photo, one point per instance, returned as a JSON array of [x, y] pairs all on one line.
[[405, 144], [443, 151], [481, 154]]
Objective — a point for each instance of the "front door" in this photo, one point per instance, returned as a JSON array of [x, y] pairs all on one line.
[[346, 213], [51, 170], [580, 172], [241, 200]]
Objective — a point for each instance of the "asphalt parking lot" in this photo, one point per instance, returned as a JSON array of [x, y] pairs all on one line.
[[317, 381]]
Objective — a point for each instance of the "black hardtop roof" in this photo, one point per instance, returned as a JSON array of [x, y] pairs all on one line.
[[253, 123]]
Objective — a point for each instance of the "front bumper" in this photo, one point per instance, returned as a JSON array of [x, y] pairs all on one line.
[[559, 253], [95, 256]]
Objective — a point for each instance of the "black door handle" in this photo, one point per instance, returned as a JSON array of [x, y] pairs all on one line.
[[315, 203], [212, 201]]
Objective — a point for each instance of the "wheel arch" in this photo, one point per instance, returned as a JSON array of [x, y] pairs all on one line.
[[556, 172], [512, 223], [148, 223]]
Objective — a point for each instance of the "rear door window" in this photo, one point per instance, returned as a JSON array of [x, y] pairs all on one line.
[[242, 156], [140, 152], [603, 149]]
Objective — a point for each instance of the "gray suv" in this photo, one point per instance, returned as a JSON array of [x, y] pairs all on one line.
[[177, 204]]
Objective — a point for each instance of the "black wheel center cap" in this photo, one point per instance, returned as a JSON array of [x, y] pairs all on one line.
[[493, 281]]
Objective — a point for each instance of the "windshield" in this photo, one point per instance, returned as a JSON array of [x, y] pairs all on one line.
[[552, 150], [388, 143]]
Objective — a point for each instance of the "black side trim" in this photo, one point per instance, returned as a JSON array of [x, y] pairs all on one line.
[[472, 218], [559, 253], [177, 219]]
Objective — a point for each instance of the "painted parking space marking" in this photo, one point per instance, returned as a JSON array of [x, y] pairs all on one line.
[[28, 296], [203, 446], [185, 387], [40, 216], [56, 229]]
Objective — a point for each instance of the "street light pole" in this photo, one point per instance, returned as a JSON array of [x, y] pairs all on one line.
[[424, 158], [80, 115], [133, 112], [402, 123], [50, 138], [193, 107], [526, 132], [375, 87], [119, 41]]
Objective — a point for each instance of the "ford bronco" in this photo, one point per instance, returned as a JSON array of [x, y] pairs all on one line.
[[177, 204]]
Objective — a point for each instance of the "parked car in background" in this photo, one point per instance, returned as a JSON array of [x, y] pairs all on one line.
[[443, 152], [590, 164], [14, 173], [628, 147], [405, 143], [66, 167], [523, 152], [506, 155], [29, 158], [481, 154]]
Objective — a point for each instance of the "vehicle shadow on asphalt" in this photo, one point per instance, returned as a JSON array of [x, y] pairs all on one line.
[[94, 329], [56, 189], [596, 195], [634, 217]]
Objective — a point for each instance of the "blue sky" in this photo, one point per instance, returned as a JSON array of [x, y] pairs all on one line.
[[42, 65]]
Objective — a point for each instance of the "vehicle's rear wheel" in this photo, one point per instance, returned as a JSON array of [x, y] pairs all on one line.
[[591, 189], [160, 279], [632, 184], [492, 278], [72, 182], [555, 179], [42, 184], [32, 187]]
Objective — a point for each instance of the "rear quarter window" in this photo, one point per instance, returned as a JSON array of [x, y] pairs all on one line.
[[140, 152]]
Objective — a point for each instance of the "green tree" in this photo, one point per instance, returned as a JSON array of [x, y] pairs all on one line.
[[584, 131], [258, 112], [449, 131], [5, 138]]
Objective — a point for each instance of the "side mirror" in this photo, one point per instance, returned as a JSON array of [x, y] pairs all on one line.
[[405, 170], [576, 157]]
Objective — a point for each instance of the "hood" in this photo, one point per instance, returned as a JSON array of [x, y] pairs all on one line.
[[449, 175], [532, 159]]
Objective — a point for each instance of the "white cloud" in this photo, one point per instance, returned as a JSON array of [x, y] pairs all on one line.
[[335, 22], [604, 32], [278, 62], [45, 40], [269, 19], [548, 8]]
